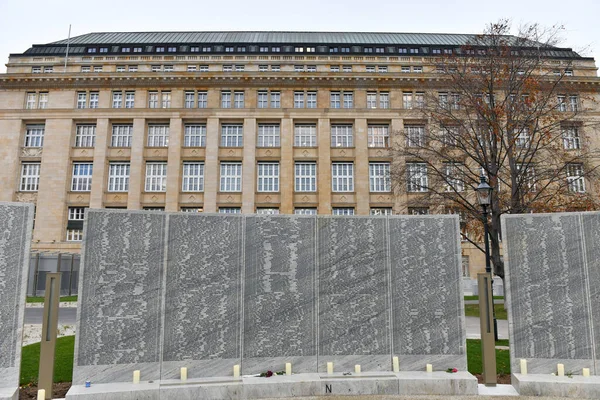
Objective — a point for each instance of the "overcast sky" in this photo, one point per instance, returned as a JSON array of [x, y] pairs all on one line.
[[23, 23]]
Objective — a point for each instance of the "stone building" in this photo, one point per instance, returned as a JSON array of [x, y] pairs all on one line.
[[250, 122]]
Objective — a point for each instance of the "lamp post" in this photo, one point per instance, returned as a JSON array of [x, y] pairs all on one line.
[[484, 197]]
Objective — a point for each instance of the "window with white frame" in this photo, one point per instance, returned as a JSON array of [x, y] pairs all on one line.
[[152, 99], [156, 177], [571, 139], [416, 177], [117, 99], [81, 180], [75, 224], [378, 135], [30, 177], [129, 99], [158, 135], [370, 68], [342, 136], [384, 100], [574, 103], [305, 135], [202, 99], [347, 68], [268, 135], [165, 99], [118, 177], [348, 100], [263, 99], [191, 209], [231, 177], [85, 135], [418, 211], [449, 135], [305, 211], [311, 99], [575, 179], [342, 177], [43, 100], [561, 102], [305, 176], [94, 97], [275, 99], [238, 99], [335, 100], [194, 135], [465, 267], [407, 100], [121, 135], [371, 99], [189, 99], [522, 138], [298, 99], [419, 100], [81, 100], [232, 135], [226, 99], [342, 211], [31, 100], [267, 211], [268, 177], [230, 210], [528, 178], [193, 177], [453, 177], [379, 177], [34, 135], [381, 211], [415, 135]]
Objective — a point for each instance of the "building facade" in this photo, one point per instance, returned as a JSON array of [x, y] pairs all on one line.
[[250, 122]]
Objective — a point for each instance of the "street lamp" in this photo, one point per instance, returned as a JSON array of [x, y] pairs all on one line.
[[484, 197]]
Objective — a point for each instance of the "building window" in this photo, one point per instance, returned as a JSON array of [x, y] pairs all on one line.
[[98, 68], [156, 177], [81, 100], [152, 99], [202, 99], [370, 68], [85, 135], [465, 267], [348, 100], [521, 136], [94, 96], [118, 177], [226, 99], [298, 68], [30, 177], [305, 177], [418, 211], [341, 136], [230, 210], [31, 100], [156, 68], [416, 177], [158, 135], [120, 68], [153, 209], [268, 177], [129, 99], [238, 100], [203, 68], [382, 69], [571, 139], [227, 68], [379, 177], [48, 70], [453, 177], [298, 99], [41, 98], [342, 211], [34, 135], [574, 103], [305, 211], [191, 209], [75, 217], [166, 99], [381, 211], [275, 68], [305, 135], [267, 211], [189, 99], [275, 100], [38, 70], [378, 135], [575, 179], [335, 100], [194, 135], [232, 135], [300, 96], [193, 177], [117, 100], [334, 68], [415, 135], [263, 68], [342, 177], [407, 100], [347, 68], [231, 177], [121, 135], [192, 68], [82, 177], [268, 135], [263, 99]]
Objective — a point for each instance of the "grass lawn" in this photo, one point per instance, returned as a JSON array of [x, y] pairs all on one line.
[[63, 365], [474, 357], [63, 362], [41, 299], [477, 297], [472, 310]]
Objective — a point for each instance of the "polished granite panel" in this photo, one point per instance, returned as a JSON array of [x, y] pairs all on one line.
[[16, 221], [203, 289], [591, 233], [547, 292], [427, 312], [279, 294], [121, 275], [354, 296]]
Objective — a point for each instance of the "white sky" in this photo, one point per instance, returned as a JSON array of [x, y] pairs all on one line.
[[23, 23]]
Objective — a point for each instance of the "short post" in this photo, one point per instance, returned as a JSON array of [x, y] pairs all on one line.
[[486, 320], [49, 331]]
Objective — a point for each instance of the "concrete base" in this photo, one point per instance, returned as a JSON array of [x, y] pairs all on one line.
[[309, 384], [576, 387], [11, 393]]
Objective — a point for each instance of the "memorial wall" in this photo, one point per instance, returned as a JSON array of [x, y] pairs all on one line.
[[16, 225], [552, 264], [160, 291]]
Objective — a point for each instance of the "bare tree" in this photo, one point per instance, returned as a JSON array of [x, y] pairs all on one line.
[[506, 108]]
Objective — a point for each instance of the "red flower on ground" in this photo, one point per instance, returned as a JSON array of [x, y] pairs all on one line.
[[269, 374]]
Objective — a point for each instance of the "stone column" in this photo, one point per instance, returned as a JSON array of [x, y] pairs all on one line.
[[249, 166], [211, 165], [396, 139], [361, 167], [100, 168], [137, 170], [10, 149], [324, 165], [174, 165], [286, 171]]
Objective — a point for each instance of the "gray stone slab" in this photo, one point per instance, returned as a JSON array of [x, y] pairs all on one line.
[[16, 225], [547, 292], [120, 291], [9, 393], [427, 300], [461, 383], [354, 319], [203, 295], [115, 391], [591, 233], [279, 296], [575, 387]]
